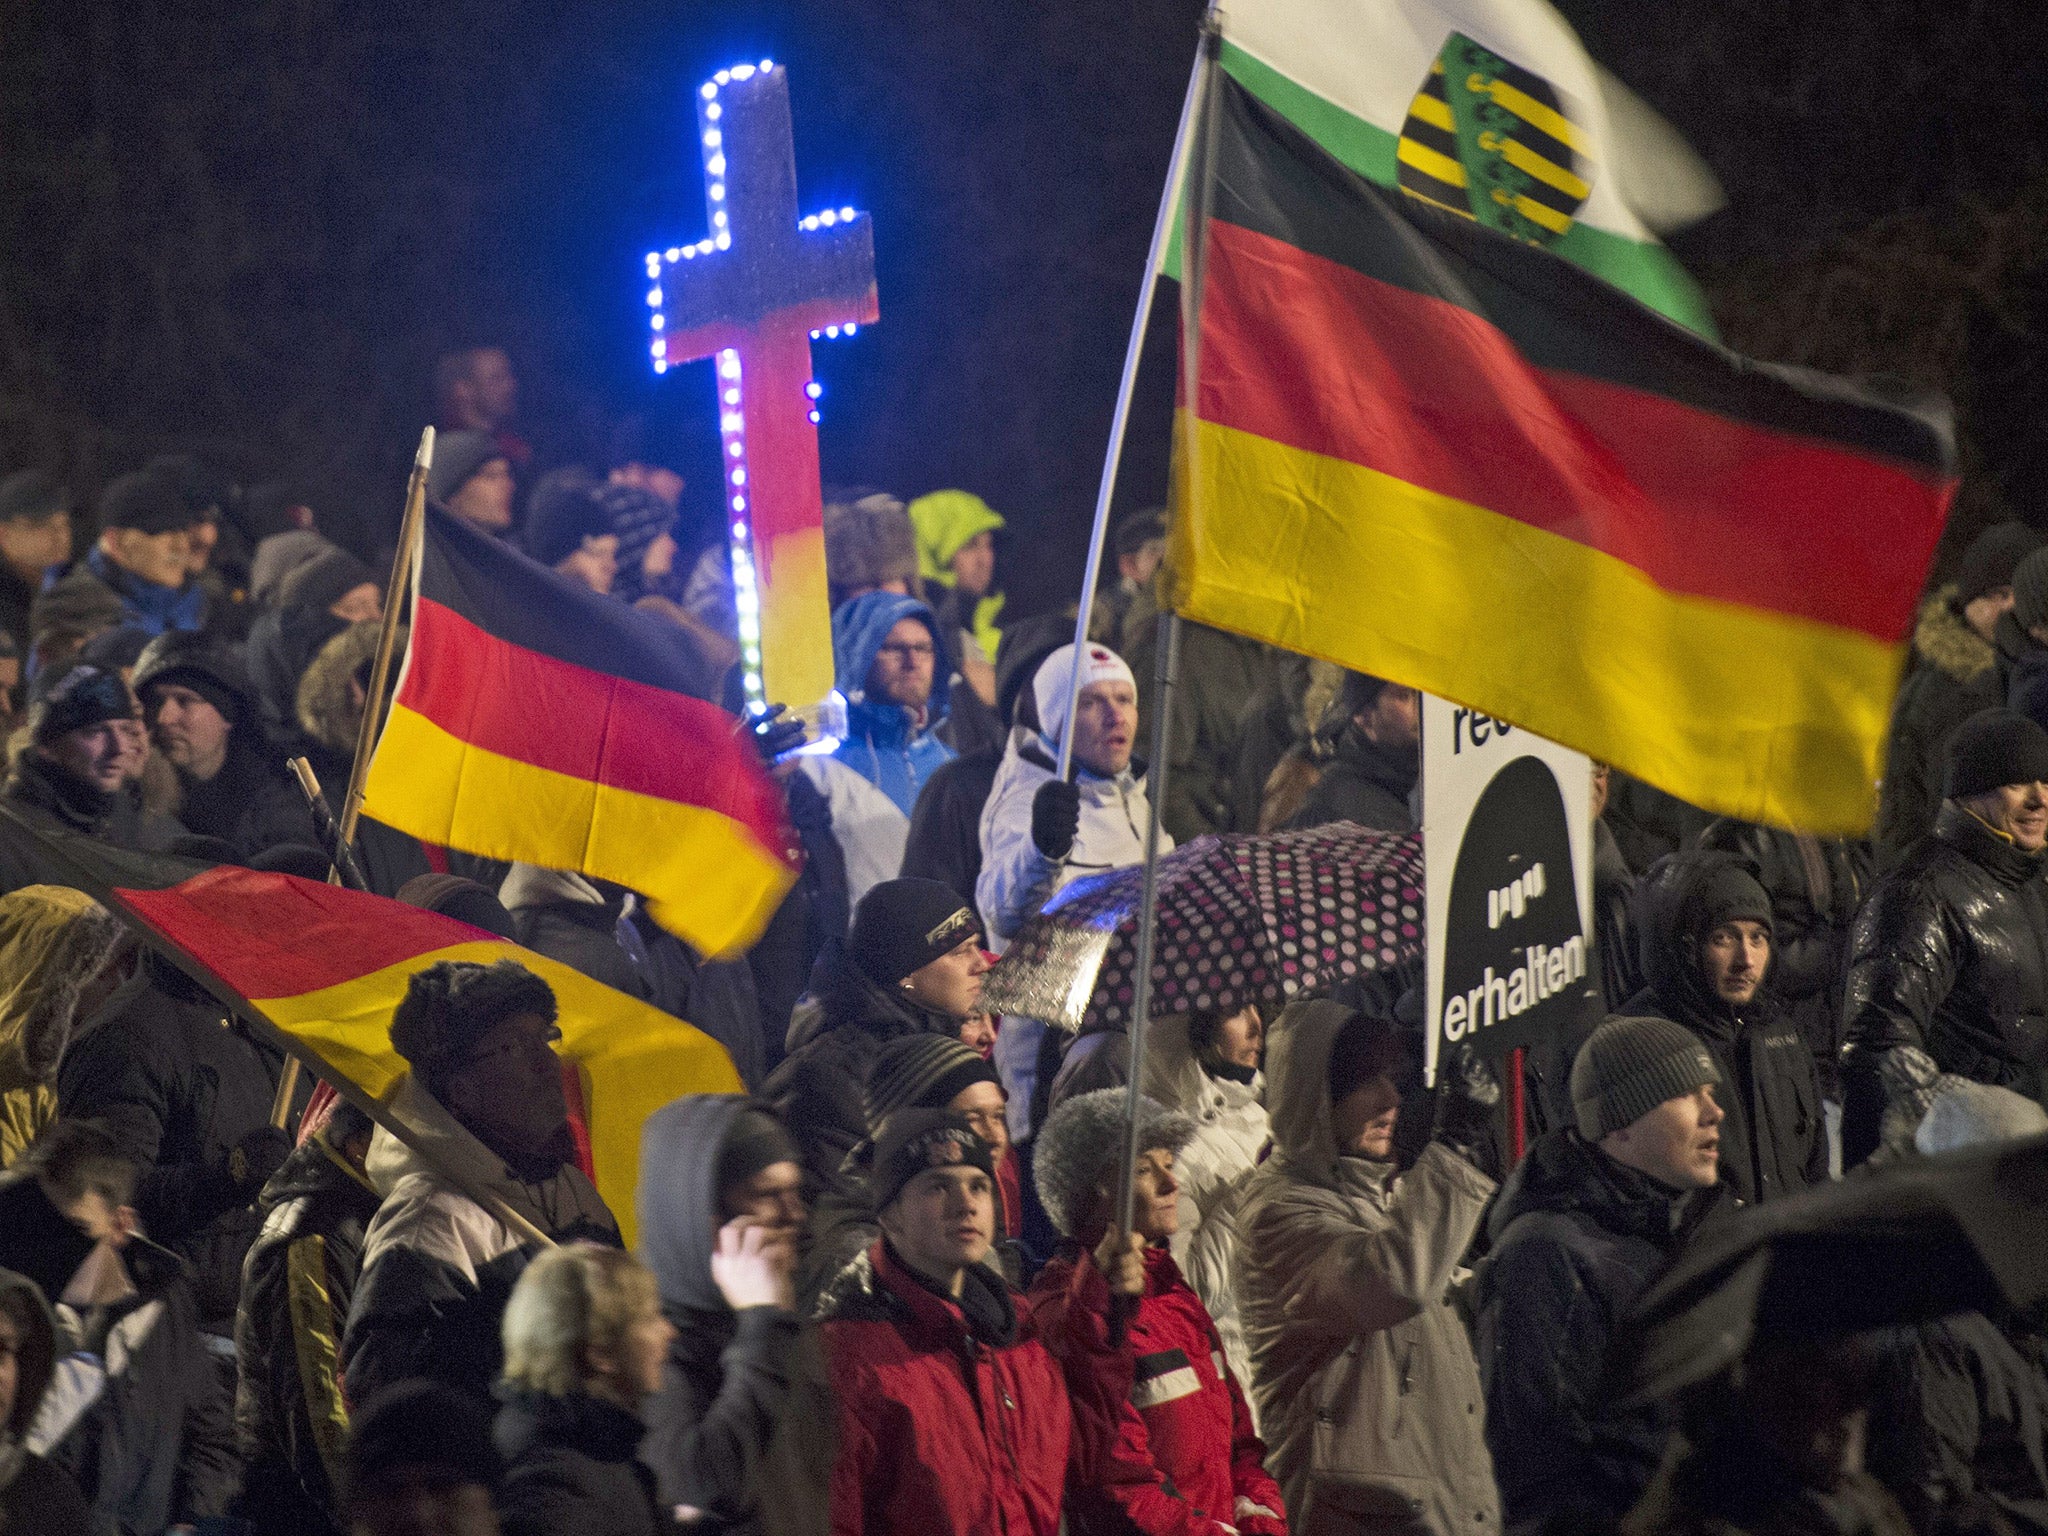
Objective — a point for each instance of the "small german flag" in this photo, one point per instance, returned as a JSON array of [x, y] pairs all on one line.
[[539, 721], [1457, 461]]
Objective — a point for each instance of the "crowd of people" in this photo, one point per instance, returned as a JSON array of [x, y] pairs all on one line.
[[888, 1288]]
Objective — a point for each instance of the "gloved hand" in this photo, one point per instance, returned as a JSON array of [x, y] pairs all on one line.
[[1467, 1096], [1055, 817], [250, 1162], [775, 731]]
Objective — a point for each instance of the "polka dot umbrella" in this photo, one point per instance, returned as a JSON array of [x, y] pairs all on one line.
[[1242, 919]]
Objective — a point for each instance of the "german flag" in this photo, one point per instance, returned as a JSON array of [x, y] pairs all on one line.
[[323, 968], [536, 720], [1432, 452]]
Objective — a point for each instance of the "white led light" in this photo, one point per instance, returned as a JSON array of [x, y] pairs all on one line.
[[743, 72], [723, 77], [848, 331], [729, 363], [714, 112], [715, 165], [814, 418], [732, 421], [815, 335], [660, 366], [689, 253], [732, 397], [733, 449], [739, 504], [724, 241], [659, 322], [713, 138], [828, 218], [654, 298], [654, 258], [718, 191], [832, 331], [846, 215], [708, 90], [814, 389], [674, 254], [766, 65], [739, 531], [807, 223], [660, 349], [739, 477], [703, 247]]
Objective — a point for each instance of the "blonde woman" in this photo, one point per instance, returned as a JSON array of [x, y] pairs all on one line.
[[584, 1346]]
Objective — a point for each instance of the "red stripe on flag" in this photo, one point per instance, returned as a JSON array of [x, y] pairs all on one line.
[[554, 714], [1310, 353]]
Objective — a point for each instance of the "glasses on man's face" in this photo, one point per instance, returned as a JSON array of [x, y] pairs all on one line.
[[531, 1042], [907, 651]]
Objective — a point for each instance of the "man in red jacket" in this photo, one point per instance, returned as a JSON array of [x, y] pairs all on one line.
[[954, 1419], [1188, 1462]]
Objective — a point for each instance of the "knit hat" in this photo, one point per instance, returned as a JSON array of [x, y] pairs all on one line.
[[912, 1140], [944, 521], [1365, 1047], [1992, 748], [417, 1433], [903, 925], [921, 1072], [1081, 1146], [1729, 892], [1971, 1114], [324, 580], [462, 899], [30, 495], [114, 650], [66, 699], [755, 1140], [1627, 1067], [457, 458], [452, 1004], [1055, 682], [2030, 590], [561, 514], [147, 504], [868, 543], [1136, 531], [206, 490], [278, 556], [1989, 562], [192, 661]]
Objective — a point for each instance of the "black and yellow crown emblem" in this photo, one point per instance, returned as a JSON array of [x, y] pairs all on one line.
[[1488, 139]]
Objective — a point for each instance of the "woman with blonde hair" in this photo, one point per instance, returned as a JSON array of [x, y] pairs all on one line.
[[584, 1346]]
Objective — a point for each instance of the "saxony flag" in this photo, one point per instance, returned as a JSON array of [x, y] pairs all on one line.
[[1424, 447], [536, 720]]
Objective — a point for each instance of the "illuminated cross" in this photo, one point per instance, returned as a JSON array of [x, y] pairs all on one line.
[[752, 295]]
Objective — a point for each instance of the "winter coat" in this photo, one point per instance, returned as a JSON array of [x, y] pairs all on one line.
[[945, 829], [439, 1265], [1815, 885], [297, 1282], [1016, 879], [819, 1090], [1703, 1494], [1368, 1392], [954, 1417], [1959, 1414], [718, 997], [743, 1428], [1774, 1140], [1954, 675], [179, 1084], [1366, 783], [138, 1413], [565, 917], [871, 781], [281, 645], [1184, 1435], [1232, 1132], [1573, 1240], [252, 804], [144, 605], [1647, 822], [49, 797], [810, 925], [569, 1466], [53, 942], [1950, 954], [1614, 886], [36, 1499]]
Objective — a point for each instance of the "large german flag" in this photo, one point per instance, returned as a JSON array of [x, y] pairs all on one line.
[[536, 720], [1432, 452], [323, 968]]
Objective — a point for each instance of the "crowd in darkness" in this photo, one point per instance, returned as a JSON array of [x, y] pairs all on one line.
[[885, 1289]]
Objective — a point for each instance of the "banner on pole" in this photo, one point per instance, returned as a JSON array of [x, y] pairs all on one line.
[[1507, 841]]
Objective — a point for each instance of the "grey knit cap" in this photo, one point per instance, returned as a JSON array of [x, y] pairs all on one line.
[[921, 1072], [1630, 1066], [1082, 1143]]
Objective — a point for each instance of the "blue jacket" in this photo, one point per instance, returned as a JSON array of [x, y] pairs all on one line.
[[883, 745], [145, 605]]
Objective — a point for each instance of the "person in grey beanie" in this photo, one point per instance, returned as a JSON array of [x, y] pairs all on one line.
[[1585, 1223], [472, 478], [1947, 972]]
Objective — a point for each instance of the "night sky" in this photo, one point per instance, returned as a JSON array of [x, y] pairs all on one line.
[[249, 228]]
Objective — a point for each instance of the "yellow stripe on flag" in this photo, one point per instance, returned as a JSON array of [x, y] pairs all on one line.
[[1430, 163], [1691, 694]]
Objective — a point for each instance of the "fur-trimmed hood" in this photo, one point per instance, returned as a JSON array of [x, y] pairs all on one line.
[[1080, 1149], [53, 942], [1943, 638], [327, 708]]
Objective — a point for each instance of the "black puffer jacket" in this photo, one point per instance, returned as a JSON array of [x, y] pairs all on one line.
[[1955, 674], [1773, 1142], [1949, 954], [569, 1466], [298, 1280], [1365, 783], [1575, 1238]]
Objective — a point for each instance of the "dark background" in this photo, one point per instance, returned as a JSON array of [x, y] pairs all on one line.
[[248, 228]]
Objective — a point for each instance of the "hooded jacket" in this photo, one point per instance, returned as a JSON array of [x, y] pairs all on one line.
[[872, 781], [1232, 1132], [439, 1265], [35, 1498], [1774, 1140], [53, 942], [1016, 879], [743, 1427], [1366, 783], [1573, 1240], [1955, 674], [1368, 1392], [297, 1282]]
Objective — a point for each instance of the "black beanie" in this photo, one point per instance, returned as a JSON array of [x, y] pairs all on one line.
[[2030, 590], [29, 495], [755, 1140], [192, 661], [460, 898], [324, 580], [66, 699], [147, 504], [921, 1072], [903, 925], [560, 516], [1993, 748], [457, 458], [1365, 1048], [452, 1004], [421, 1433], [1729, 892], [913, 1140], [1991, 559], [114, 650]]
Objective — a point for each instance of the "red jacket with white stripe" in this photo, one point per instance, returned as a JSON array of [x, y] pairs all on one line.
[[1185, 1447]]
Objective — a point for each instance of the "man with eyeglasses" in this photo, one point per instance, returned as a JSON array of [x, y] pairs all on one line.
[[484, 1100], [888, 657]]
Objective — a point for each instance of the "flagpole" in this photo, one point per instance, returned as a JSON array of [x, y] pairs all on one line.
[[1193, 252], [1162, 229]]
